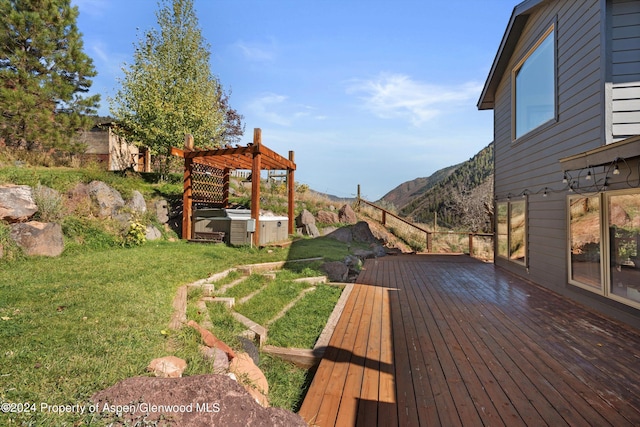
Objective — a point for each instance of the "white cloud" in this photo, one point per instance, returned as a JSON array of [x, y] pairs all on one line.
[[398, 96], [91, 7], [258, 52], [276, 109]]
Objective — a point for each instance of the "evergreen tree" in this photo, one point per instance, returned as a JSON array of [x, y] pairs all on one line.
[[169, 90], [43, 74]]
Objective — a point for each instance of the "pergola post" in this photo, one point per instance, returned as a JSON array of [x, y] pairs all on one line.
[[187, 199], [291, 191], [255, 183]]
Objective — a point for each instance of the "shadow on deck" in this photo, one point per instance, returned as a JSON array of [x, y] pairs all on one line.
[[449, 340]]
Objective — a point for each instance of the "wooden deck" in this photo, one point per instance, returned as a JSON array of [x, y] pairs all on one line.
[[447, 340]]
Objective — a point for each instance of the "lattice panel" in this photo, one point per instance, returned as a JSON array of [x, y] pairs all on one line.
[[207, 184]]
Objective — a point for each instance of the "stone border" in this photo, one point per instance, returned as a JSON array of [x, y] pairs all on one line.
[[304, 358]]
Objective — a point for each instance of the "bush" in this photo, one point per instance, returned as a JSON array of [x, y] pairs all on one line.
[[50, 204]]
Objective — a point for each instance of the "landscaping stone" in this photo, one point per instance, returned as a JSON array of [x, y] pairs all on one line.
[[306, 224], [347, 215], [251, 349], [304, 218], [336, 271], [137, 203], [211, 340], [362, 233], [216, 400], [251, 377], [162, 211], [153, 233], [325, 217], [217, 356], [38, 238], [342, 234], [167, 367], [106, 200], [16, 203]]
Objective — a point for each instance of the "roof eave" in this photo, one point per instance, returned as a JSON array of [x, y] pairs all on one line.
[[516, 24]]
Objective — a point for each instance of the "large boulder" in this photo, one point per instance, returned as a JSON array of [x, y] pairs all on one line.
[[16, 203], [362, 233], [162, 211], [251, 377], [194, 401], [342, 234], [347, 215], [305, 218], [336, 271], [38, 238], [306, 223], [137, 203], [326, 217], [106, 200]]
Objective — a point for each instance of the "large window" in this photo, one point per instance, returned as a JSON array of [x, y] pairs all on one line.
[[511, 230], [604, 236], [584, 237], [624, 245], [534, 88]]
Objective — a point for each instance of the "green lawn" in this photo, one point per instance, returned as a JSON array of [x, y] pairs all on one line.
[[76, 324]]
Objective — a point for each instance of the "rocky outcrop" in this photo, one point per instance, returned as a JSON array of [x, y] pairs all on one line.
[[16, 203], [38, 238]]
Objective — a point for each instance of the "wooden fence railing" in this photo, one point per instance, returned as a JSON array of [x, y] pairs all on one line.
[[477, 244]]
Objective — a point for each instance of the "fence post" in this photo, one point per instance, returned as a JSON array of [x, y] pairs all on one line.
[[471, 244], [384, 217], [429, 242]]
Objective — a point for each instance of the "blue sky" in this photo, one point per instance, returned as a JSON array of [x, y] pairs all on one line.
[[365, 92]]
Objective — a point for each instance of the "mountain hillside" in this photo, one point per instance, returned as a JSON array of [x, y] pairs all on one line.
[[421, 198], [407, 191]]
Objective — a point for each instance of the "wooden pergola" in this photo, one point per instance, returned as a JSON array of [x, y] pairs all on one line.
[[254, 157]]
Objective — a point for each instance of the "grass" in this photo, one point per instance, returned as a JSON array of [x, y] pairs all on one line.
[[244, 288], [77, 324], [301, 326], [265, 305]]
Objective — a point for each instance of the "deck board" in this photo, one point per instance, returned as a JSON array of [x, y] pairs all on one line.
[[448, 340]]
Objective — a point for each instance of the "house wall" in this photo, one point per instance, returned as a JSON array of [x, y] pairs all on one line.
[[532, 162], [624, 27]]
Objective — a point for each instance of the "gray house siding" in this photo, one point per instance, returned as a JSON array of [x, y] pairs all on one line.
[[598, 103], [625, 63], [531, 162]]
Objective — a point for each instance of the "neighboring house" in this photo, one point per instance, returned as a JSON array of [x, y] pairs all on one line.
[[113, 151], [565, 91]]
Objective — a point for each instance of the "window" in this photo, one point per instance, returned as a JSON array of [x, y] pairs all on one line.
[[502, 230], [623, 221], [534, 88], [584, 237], [604, 237], [511, 230], [517, 229]]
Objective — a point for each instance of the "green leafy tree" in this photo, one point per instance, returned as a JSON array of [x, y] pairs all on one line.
[[44, 74], [169, 90]]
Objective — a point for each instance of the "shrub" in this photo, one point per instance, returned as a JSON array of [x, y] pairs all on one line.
[[50, 204]]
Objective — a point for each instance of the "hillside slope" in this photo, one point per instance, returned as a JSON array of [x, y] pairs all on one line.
[[409, 190], [421, 198]]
